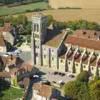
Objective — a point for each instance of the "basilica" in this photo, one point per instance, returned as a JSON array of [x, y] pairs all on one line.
[[66, 50]]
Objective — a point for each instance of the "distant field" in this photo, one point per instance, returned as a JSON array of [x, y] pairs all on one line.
[[72, 14], [4, 10]]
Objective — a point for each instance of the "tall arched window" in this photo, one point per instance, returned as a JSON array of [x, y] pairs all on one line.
[[34, 27], [37, 27]]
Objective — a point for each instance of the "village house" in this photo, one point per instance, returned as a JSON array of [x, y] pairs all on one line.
[[44, 92], [13, 67], [63, 51], [2, 44], [7, 32], [6, 37]]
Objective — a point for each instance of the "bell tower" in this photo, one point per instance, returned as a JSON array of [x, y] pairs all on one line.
[[39, 32]]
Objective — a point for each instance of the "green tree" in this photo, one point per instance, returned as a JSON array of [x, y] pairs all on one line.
[[50, 20], [22, 19], [95, 90], [8, 18], [83, 93], [70, 89], [83, 76], [1, 22], [28, 28], [76, 90]]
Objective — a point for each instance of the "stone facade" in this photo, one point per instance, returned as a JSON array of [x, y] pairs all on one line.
[[63, 52]]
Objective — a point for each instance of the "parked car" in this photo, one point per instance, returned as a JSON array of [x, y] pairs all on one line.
[[55, 73], [61, 82], [36, 76], [46, 82], [18, 51], [71, 75], [53, 81]]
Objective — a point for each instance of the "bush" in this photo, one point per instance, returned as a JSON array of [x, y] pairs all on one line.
[[1, 22], [83, 76], [95, 90], [76, 90]]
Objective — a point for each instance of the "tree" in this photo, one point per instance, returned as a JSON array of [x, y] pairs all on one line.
[[28, 28], [70, 89], [97, 73], [83, 93], [8, 18], [95, 90], [83, 76], [50, 20], [76, 90], [1, 21], [22, 19]]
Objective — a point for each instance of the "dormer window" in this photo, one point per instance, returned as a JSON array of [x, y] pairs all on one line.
[[95, 33], [84, 33], [88, 36]]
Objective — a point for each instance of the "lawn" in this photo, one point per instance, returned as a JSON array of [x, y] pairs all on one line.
[[11, 94], [4, 10]]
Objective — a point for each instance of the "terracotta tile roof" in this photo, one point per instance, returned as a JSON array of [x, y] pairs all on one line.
[[26, 82], [85, 59], [26, 67], [87, 34], [9, 59], [5, 74], [44, 90], [93, 63], [2, 41], [55, 41], [70, 55], [82, 42], [77, 59], [6, 28]]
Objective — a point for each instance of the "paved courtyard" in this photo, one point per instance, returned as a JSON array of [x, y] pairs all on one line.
[[50, 76]]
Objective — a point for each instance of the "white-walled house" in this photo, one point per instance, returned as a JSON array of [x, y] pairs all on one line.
[[44, 92], [2, 44]]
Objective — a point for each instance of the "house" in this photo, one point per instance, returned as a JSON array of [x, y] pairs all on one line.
[[65, 52], [7, 32], [2, 44], [44, 92]]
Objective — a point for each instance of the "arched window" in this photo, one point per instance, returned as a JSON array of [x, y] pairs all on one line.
[[37, 27], [34, 27]]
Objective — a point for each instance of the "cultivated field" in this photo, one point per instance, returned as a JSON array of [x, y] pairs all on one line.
[[75, 3], [72, 14], [4, 10]]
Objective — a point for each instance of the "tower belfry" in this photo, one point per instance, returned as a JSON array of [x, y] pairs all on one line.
[[39, 28]]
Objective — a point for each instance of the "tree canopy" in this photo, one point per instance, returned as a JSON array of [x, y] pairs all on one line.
[[76, 90], [83, 76], [95, 90]]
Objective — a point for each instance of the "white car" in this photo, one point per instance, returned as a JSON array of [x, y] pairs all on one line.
[[35, 76]]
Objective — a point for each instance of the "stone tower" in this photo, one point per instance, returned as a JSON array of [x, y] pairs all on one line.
[[39, 28]]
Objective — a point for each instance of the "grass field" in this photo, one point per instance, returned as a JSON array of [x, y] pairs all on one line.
[[12, 94], [4, 10], [72, 14]]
